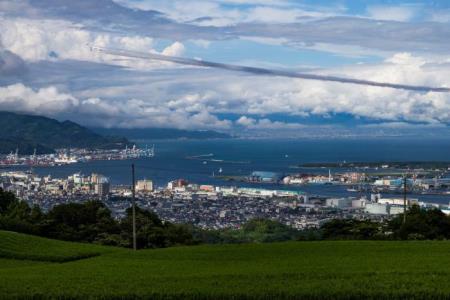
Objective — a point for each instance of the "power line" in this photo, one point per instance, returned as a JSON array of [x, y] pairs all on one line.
[[404, 199], [133, 197]]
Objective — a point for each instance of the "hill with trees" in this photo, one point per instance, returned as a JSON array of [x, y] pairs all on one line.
[[10, 145], [27, 132], [92, 222]]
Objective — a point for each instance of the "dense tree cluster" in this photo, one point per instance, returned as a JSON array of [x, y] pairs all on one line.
[[352, 229], [90, 222], [254, 231], [420, 224]]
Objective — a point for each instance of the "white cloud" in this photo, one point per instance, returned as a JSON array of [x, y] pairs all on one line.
[[246, 121], [201, 43], [392, 13], [49, 101], [55, 39], [265, 14], [228, 92], [226, 13], [406, 59], [193, 98], [263, 95], [266, 124], [402, 125], [207, 12], [303, 26], [176, 49]]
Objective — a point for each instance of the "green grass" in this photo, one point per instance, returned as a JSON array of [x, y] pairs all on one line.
[[20, 246], [309, 270]]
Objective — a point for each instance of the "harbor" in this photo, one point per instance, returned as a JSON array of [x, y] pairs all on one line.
[[74, 156]]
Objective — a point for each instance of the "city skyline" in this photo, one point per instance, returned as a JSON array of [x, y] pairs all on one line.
[[47, 68]]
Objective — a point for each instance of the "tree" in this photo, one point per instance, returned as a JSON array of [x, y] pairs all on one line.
[[421, 224], [15, 215], [254, 231], [6, 199], [263, 230], [152, 232], [91, 222], [351, 229], [79, 222]]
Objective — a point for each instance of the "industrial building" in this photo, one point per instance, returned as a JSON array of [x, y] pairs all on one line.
[[263, 176], [340, 203]]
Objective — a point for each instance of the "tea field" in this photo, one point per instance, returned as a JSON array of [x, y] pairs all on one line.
[[33, 267]]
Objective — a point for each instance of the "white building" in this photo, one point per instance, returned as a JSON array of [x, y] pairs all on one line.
[[377, 208], [339, 202], [384, 208], [359, 203], [226, 190], [398, 201], [396, 209], [144, 185]]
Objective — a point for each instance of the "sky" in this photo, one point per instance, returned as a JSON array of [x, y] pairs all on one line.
[[47, 66]]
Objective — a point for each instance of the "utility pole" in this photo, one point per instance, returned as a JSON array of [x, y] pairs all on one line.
[[133, 195], [404, 199]]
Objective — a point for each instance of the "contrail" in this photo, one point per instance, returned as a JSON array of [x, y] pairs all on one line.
[[263, 71]]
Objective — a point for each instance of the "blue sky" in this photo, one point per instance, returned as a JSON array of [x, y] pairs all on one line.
[[47, 68], [261, 54]]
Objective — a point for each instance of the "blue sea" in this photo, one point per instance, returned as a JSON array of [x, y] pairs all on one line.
[[242, 156]]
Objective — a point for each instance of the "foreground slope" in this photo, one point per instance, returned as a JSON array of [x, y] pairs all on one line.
[[346, 270], [26, 247]]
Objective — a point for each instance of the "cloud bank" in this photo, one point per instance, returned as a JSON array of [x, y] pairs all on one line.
[[46, 67]]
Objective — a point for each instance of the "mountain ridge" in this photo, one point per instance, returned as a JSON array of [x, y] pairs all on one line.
[[26, 132]]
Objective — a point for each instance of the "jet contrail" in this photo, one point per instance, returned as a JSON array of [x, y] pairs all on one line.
[[263, 71]]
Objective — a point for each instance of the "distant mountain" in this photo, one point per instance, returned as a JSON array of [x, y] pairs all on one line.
[[161, 133], [11, 144], [28, 132]]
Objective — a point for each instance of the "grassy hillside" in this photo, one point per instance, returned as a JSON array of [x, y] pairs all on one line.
[[319, 270], [25, 247]]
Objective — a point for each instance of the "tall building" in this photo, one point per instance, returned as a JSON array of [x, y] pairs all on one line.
[[102, 189], [102, 186], [95, 178]]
